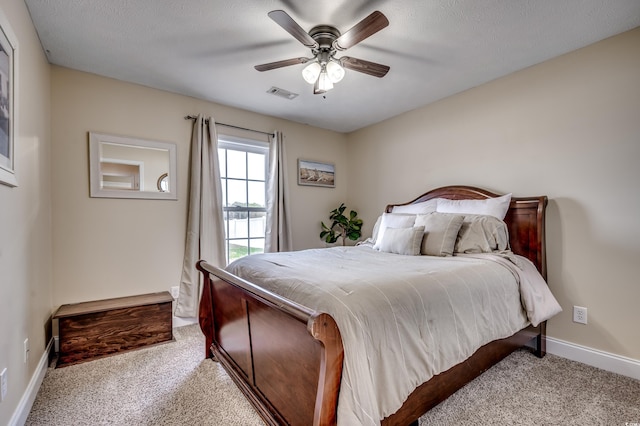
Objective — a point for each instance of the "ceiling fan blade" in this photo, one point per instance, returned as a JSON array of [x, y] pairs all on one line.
[[280, 64], [360, 65], [363, 29], [285, 21]]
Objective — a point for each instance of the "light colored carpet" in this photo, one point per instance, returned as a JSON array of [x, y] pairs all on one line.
[[172, 384], [168, 384], [525, 390]]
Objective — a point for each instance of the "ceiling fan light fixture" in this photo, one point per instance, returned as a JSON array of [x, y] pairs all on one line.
[[324, 83], [311, 72], [316, 89], [323, 69], [335, 71]]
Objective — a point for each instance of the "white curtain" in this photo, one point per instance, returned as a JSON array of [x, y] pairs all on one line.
[[278, 230], [205, 222]]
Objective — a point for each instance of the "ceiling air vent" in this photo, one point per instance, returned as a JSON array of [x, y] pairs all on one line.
[[282, 93]]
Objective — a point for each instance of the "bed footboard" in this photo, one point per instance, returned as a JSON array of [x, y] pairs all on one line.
[[285, 358]]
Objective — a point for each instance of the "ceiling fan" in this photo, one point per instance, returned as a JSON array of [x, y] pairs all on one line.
[[325, 41]]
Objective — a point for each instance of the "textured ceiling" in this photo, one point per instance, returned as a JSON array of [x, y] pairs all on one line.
[[207, 48]]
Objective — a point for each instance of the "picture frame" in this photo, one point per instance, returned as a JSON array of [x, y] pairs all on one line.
[[316, 173], [8, 85]]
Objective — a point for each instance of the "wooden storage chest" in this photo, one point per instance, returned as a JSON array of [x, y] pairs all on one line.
[[91, 330]]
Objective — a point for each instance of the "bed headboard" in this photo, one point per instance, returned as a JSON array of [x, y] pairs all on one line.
[[525, 219]]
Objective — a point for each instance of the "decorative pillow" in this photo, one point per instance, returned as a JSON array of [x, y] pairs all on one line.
[[491, 206], [393, 220], [440, 232], [482, 234], [402, 240], [418, 208]]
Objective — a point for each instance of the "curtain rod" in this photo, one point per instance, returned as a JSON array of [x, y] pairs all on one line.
[[193, 117]]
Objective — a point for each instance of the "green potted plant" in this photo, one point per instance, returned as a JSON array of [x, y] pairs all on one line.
[[342, 226]]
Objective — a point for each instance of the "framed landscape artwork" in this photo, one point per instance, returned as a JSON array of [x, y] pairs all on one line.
[[7, 102], [315, 173]]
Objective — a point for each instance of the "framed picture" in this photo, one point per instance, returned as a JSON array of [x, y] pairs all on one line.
[[8, 51], [315, 173]]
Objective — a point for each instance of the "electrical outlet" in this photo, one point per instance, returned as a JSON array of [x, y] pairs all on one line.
[[175, 292], [3, 385], [26, 350], [580, 314]]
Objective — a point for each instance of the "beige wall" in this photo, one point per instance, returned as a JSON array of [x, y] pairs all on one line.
[[25, 217], [569, 129], [117, 247]]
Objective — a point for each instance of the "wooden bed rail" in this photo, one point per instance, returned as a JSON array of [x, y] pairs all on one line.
[[301, 313], [317, 334]]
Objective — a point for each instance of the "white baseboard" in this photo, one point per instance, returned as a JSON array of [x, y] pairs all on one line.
[[596, 358], [26, 402]]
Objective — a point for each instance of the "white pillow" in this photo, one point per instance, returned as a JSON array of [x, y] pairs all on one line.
[[393, 220], [405, 241], [418, 208], [496, 207], [440, 232]]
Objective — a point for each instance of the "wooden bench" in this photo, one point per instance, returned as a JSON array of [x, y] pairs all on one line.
[[96, 329]]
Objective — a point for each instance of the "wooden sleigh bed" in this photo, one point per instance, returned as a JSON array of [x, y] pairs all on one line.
[[287, 359]]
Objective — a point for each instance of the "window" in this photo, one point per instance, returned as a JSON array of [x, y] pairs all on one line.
[[243, 174]]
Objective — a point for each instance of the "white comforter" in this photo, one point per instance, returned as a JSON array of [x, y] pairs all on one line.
[[403, 319]]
